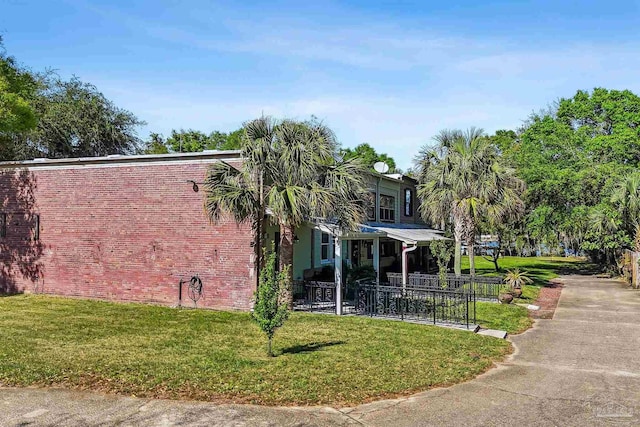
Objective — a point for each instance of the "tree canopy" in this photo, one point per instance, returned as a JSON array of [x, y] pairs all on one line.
[[191, 141], [42, 115], [573, 157], [18, 88], [368, 155], [77, 120]]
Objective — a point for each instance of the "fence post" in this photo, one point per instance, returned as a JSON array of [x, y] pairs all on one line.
[[435, 306], [474, 309]]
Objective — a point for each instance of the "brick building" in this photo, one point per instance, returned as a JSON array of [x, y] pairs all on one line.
[[130, 228], [120, 228]]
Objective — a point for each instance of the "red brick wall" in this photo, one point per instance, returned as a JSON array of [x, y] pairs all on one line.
[[125, 232]]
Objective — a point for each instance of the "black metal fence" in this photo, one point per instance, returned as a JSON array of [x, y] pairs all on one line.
[[314, 295], [412, 303], [417, 303], [484, 287]]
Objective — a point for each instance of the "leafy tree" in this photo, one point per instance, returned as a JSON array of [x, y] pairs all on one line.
[[574, 157], [368, 155], [233, 140], [155, 145], [18, 88], [271, 309], [291, 168], [463, 179], [626, 197], [191, 141], [76, 120], [441, 250]]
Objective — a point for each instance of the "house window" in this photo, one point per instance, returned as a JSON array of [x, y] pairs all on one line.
[[324, 247], [36, 227], [369, 246], [371, 211], [408, 202], [387, 208], [387, 249], [3, 225]]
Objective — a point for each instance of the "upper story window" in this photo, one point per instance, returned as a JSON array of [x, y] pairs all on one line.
[[408, 202], [387, 208], [371, 211]]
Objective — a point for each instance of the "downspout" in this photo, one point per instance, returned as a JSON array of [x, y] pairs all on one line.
[[405, 269]]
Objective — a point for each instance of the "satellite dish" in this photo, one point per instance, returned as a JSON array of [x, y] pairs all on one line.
[[381, 167]]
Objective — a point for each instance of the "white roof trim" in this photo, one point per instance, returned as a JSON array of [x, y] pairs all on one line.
[[411, 234], [123, 159]]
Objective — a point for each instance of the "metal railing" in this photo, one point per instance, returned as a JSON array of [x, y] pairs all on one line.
[[417, 303], [484, 287], [315, 295]]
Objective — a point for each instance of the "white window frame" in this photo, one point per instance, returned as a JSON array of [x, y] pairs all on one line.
[[387, 210], [323, 245]]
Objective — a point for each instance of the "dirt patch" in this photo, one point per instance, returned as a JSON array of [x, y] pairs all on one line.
[[548, 300]]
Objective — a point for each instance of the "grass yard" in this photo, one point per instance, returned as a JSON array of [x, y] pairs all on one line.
[[152, 351], [505, 317], [541, 270], [510, 317]]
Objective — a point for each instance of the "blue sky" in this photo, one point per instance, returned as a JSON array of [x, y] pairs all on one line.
[[389, 73]]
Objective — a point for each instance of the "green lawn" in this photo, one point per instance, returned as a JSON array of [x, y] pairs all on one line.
[[510, 317], [152, 351], [541, 270]]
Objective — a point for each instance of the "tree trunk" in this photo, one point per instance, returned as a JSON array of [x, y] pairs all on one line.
[[286, 258], [472, 256], [259, 228], [269, 350], [470, 234], [458, 230]]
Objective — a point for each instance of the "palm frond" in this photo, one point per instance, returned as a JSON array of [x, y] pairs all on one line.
[[229, 191]]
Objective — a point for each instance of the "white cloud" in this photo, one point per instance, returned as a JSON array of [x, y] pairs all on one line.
[[391, 86]]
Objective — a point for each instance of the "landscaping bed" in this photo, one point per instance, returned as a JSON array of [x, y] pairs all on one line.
[[152, 351]]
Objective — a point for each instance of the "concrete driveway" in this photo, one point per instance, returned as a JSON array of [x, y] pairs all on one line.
[[580, 368]]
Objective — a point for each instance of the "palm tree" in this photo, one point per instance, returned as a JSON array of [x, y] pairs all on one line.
[[291, 169], [462, 179], [626, 196]]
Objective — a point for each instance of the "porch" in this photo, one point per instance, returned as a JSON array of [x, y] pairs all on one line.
[[415, 303], [384, 270]]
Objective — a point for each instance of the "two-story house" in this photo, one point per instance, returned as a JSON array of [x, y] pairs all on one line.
[[394, 239]]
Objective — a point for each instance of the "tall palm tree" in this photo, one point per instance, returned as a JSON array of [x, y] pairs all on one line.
[[626, 197], [291, 169], [463, 180]]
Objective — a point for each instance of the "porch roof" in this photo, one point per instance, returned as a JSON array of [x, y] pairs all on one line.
[[413, 234]]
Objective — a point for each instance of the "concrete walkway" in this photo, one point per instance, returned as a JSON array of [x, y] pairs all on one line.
[[580, 368]]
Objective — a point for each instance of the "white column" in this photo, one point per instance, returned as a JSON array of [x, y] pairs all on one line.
[[337, 248], [376, 258], [405, 270]]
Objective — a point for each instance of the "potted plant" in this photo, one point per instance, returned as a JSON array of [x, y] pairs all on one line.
[[515, 280], [505, 296]]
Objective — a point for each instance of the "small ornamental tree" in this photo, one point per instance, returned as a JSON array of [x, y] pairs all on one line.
[[271, 306], [441, 250]]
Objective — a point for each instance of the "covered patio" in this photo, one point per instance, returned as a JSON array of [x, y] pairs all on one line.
[[389, 248]]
